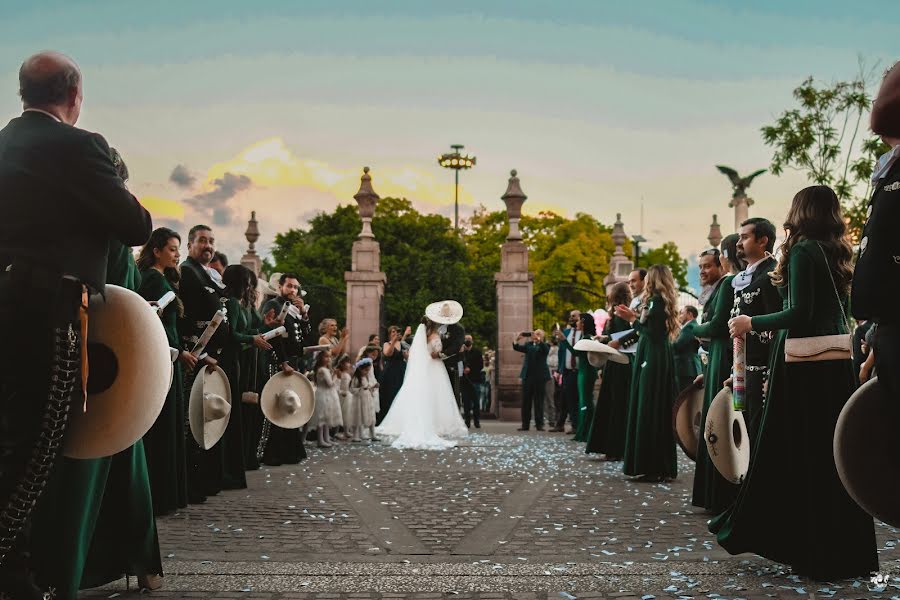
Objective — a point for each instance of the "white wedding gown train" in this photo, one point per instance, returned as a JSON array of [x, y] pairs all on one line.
[[424, 413]]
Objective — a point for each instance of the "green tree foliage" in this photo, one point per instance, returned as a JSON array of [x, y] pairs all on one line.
[[820, 138], [425, 261], [668, 255]]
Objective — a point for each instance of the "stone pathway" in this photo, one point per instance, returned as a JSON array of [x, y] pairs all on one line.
[[505, 515]]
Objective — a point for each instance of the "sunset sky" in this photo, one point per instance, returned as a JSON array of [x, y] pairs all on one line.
[[277, 106]]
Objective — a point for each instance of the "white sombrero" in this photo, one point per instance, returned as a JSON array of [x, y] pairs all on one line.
[[687, 419], [128, 360], [446, 312], [210, 406], [866, 451], [599, 353], [288, 400], [726, 438], [274, 287]]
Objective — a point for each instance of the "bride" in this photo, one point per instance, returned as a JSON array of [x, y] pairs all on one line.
[[424, 412]]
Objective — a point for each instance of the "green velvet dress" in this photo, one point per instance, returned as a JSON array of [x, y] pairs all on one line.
[[649, 439], [165, 442], [233, 445], [94, 523], [587, 376], [792, 507], [253, 378], [711, 490], [607, 435]]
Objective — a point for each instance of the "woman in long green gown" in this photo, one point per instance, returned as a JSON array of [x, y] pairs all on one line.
[[792, 507], [587, 376], [240, 290], [649, 439], [165, 442], [607, 435], [253, 378], [711, 490]]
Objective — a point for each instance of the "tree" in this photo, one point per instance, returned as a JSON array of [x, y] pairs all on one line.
[[423, 258], [668, 255], [819, 138]]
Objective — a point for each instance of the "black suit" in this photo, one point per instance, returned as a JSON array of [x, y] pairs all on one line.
[[61, 202], [760, 297], [876, 278], [201, 298], [474, 361], [452, 339], [298, 330]]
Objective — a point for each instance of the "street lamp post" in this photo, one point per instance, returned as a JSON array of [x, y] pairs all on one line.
[[456, 161], [637, 240]]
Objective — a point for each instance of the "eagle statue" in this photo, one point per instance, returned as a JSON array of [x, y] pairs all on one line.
[[740, 184]]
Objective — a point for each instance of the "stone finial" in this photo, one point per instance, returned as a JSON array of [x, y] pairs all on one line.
[[251, 259], [715, 232], [252, 233], [514, 198], [618, 234], [618, 263], [367, 199]]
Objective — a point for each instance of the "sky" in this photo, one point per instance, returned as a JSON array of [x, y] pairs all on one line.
[[224, 107]]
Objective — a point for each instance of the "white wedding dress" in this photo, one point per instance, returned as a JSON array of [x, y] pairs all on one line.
[[424, 415]]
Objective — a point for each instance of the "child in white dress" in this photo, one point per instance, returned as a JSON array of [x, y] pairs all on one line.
[[328, 403], [349, 411], [363, 387]]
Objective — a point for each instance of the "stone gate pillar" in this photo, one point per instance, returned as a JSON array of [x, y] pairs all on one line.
[[741, 204], [365, 281], [515, 289]]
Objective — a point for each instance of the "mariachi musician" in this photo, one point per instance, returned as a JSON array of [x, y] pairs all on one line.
[[56, 180], [754, 295], [277, 445], [202, 298]]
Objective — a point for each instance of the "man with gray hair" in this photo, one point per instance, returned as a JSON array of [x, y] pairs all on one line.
[[61, 182]]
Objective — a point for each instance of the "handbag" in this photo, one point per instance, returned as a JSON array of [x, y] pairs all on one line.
[[252, 397], [820, 347]]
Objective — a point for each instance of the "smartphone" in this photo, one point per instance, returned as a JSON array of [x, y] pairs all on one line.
[[526, 334]]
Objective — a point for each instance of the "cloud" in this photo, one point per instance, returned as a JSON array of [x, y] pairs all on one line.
[[224, 188], [271, 163], [182, 177]]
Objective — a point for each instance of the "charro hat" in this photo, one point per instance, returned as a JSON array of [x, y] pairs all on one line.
[[274, 288], [288, 400], [128, 359], [210, 406], [726, 438], [599, 353], [687, 419], [885, 118], [866, 451], [446, 312]]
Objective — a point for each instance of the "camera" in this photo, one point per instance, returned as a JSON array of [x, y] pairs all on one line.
[[526, 334]]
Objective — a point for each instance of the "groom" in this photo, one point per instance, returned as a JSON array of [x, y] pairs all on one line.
[[453, 339]]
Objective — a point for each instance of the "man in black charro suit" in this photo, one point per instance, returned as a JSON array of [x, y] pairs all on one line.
[[62, 202], [876, 278], [755, 295], [453, 339], [201, 297], [470, 382]]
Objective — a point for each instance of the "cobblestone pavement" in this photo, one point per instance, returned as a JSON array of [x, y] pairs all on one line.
[[506, 515]]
